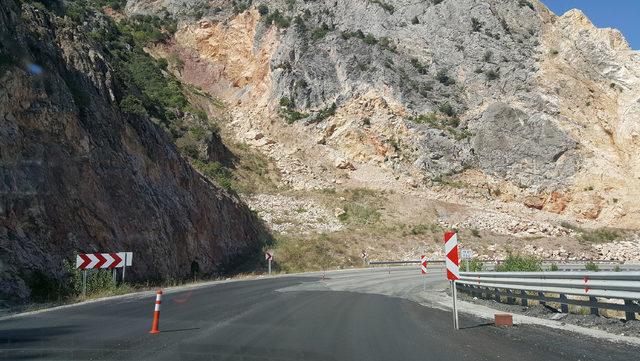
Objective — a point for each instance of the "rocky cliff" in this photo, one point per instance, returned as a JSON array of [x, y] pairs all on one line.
[[502, 95], [78, 174]]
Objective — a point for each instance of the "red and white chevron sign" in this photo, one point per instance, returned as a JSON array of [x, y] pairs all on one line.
[[103, 260], [451, 251], [423, 264], [268, 256]]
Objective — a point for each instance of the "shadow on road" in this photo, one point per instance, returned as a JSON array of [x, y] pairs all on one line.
[[181, 329], [15, 336], [476, 326]]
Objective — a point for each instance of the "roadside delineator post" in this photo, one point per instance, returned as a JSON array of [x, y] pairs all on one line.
[[269, 257], [423, 269], [452, 262], [156, 313]]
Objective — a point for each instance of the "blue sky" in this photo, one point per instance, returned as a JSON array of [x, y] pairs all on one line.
[[623, 15]]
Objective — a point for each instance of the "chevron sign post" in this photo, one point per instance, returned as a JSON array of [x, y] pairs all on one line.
[[85, 261], [269, 257], [423, 264], [423, 270], [453, 268]]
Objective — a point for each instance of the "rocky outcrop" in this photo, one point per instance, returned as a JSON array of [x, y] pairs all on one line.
[[79, 175], [540, 103], [528, 149]]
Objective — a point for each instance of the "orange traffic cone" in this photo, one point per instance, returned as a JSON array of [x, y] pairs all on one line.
[[156, 313]]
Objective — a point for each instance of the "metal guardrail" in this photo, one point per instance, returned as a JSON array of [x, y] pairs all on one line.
[[403, 262], [533, 285]]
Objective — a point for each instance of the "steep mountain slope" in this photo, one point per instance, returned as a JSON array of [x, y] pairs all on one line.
[[78, 174], [502, 96]]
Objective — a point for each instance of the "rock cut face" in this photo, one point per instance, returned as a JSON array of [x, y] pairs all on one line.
[[77, 175], [528, 149], [542, 102]]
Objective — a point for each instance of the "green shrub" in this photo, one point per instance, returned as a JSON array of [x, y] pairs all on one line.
[[446, 109], [319, 33], [263, 9], [421, 68], [590, 266], [428, 118], [443, 77], [216, 172], [292, 116], [325, 113], [278, 19], [476, 25], [553, 267], [523, 3], [617, 269], [286, 102], [132, 105], [386, 44], [370, 39], [487, 56], [600, 235], [492, 74], [519, 263], [473, 265], [358, 213], [288, 112], [99, 283], [188, 146]]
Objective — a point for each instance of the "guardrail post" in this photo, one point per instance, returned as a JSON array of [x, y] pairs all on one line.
[[510, 299], [525, 302], [594, 306], [564, 307], [629, 315], [497, 295], [541, 295]]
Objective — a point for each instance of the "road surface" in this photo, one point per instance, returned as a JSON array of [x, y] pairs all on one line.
[[351, 315]]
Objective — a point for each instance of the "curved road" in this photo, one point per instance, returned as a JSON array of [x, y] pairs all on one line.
[[350, 315]]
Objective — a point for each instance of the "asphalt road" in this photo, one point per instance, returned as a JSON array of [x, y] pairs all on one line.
[[353, 315]]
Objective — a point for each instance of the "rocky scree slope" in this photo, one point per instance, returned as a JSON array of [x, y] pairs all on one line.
[[544, 106], [77, 174]]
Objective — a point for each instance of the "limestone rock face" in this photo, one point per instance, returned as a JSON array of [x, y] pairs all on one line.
[[546, 103], [78, 175], [529, 149]]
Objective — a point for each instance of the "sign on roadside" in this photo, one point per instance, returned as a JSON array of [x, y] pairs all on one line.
[[466, 253], [103, 260], [423, 264], [85, 261], [451, 251], [269, 257], [453, 268]]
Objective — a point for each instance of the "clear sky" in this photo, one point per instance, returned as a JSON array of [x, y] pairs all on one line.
[[623, 15]]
